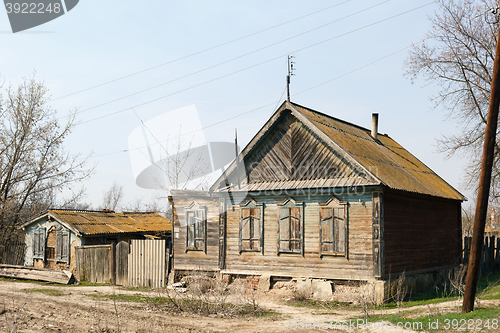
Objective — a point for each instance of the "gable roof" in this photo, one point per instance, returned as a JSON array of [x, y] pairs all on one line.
[[91, 223], [362, 160]]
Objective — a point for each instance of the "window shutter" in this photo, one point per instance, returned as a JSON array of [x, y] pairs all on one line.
[[245, 229], [36, 245], [65, 246], [340, 230], [283, 230], [295, 229], [326, 229], [59, 245], [39, 244], [256, 228]]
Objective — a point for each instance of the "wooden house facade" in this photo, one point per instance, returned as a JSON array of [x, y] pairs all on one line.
[[316, 197]]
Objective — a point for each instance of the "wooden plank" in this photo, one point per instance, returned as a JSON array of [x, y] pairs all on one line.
[[39, 274]]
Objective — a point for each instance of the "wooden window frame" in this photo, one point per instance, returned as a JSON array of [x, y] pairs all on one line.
[[335, 211], [251, 205], [62, 245], [285, 215], [39, 239], [199, 212]]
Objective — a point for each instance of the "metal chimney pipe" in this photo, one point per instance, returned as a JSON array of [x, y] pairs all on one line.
[[375, 126]]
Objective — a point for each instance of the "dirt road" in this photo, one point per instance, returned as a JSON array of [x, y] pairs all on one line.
[[33, 307]]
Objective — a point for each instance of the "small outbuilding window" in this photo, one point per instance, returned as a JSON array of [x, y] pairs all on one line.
[[39, 243], [333, 227], [251, 226], [290, 227], [62, 245], [196, 228]]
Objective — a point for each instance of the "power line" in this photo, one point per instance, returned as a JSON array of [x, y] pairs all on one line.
[[199, 52], [229, 60], [255, 65], [271, 103]]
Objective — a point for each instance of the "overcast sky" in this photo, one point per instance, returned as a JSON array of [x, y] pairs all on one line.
[[227, 58]]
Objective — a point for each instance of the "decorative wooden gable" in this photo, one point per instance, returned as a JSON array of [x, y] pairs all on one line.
[[291, 151]]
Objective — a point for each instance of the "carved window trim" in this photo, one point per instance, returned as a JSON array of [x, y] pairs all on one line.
[[290, 226], [251, 216], [333, 228], [196, 228]]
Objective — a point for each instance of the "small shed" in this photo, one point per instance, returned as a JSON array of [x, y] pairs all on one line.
[[317, 197], [52, 237]]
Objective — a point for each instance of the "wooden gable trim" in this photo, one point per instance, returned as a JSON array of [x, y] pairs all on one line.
[[287, 106], [260, 134], [335, 146]]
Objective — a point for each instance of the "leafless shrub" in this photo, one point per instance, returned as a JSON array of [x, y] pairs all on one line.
[[208, 295], [366, 298], [300, 296], [399, 291], [456, 277]]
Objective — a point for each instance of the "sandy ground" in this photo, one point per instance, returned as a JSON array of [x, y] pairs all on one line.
[[23, 309]]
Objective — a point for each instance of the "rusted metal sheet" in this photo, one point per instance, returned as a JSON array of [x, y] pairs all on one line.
[[389, 161], [98, 223], [146, 263]]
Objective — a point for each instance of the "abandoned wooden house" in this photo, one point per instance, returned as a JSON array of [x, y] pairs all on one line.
[[51, 238], [312, 196]]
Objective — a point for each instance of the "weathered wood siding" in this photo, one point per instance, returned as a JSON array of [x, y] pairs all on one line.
[[420, 232], [356, 265], [293, 152], [95, 263], [195, 260]]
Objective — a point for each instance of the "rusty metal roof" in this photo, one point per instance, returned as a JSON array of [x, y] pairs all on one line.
[[98, 223], [382, 161]]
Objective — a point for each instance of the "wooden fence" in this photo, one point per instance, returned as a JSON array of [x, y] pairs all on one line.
[[490, 258], [12, 252], [95, 263], [147, 265], [143, 263]]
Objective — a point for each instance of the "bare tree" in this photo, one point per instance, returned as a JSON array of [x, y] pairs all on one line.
[[458, 58], [185, 165], [112, 197], [33, 163]]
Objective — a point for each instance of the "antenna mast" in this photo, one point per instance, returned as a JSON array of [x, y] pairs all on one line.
[[291, 68]]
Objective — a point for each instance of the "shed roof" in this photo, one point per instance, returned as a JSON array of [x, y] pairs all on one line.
[[379, 162], [88, 223]]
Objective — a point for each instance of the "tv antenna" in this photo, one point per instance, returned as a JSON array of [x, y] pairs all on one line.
[[291, 69]]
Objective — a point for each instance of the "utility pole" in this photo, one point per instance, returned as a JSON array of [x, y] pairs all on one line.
[[484, 186], [290, 73]]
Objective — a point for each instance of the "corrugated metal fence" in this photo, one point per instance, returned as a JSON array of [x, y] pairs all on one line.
[[147, 263]]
